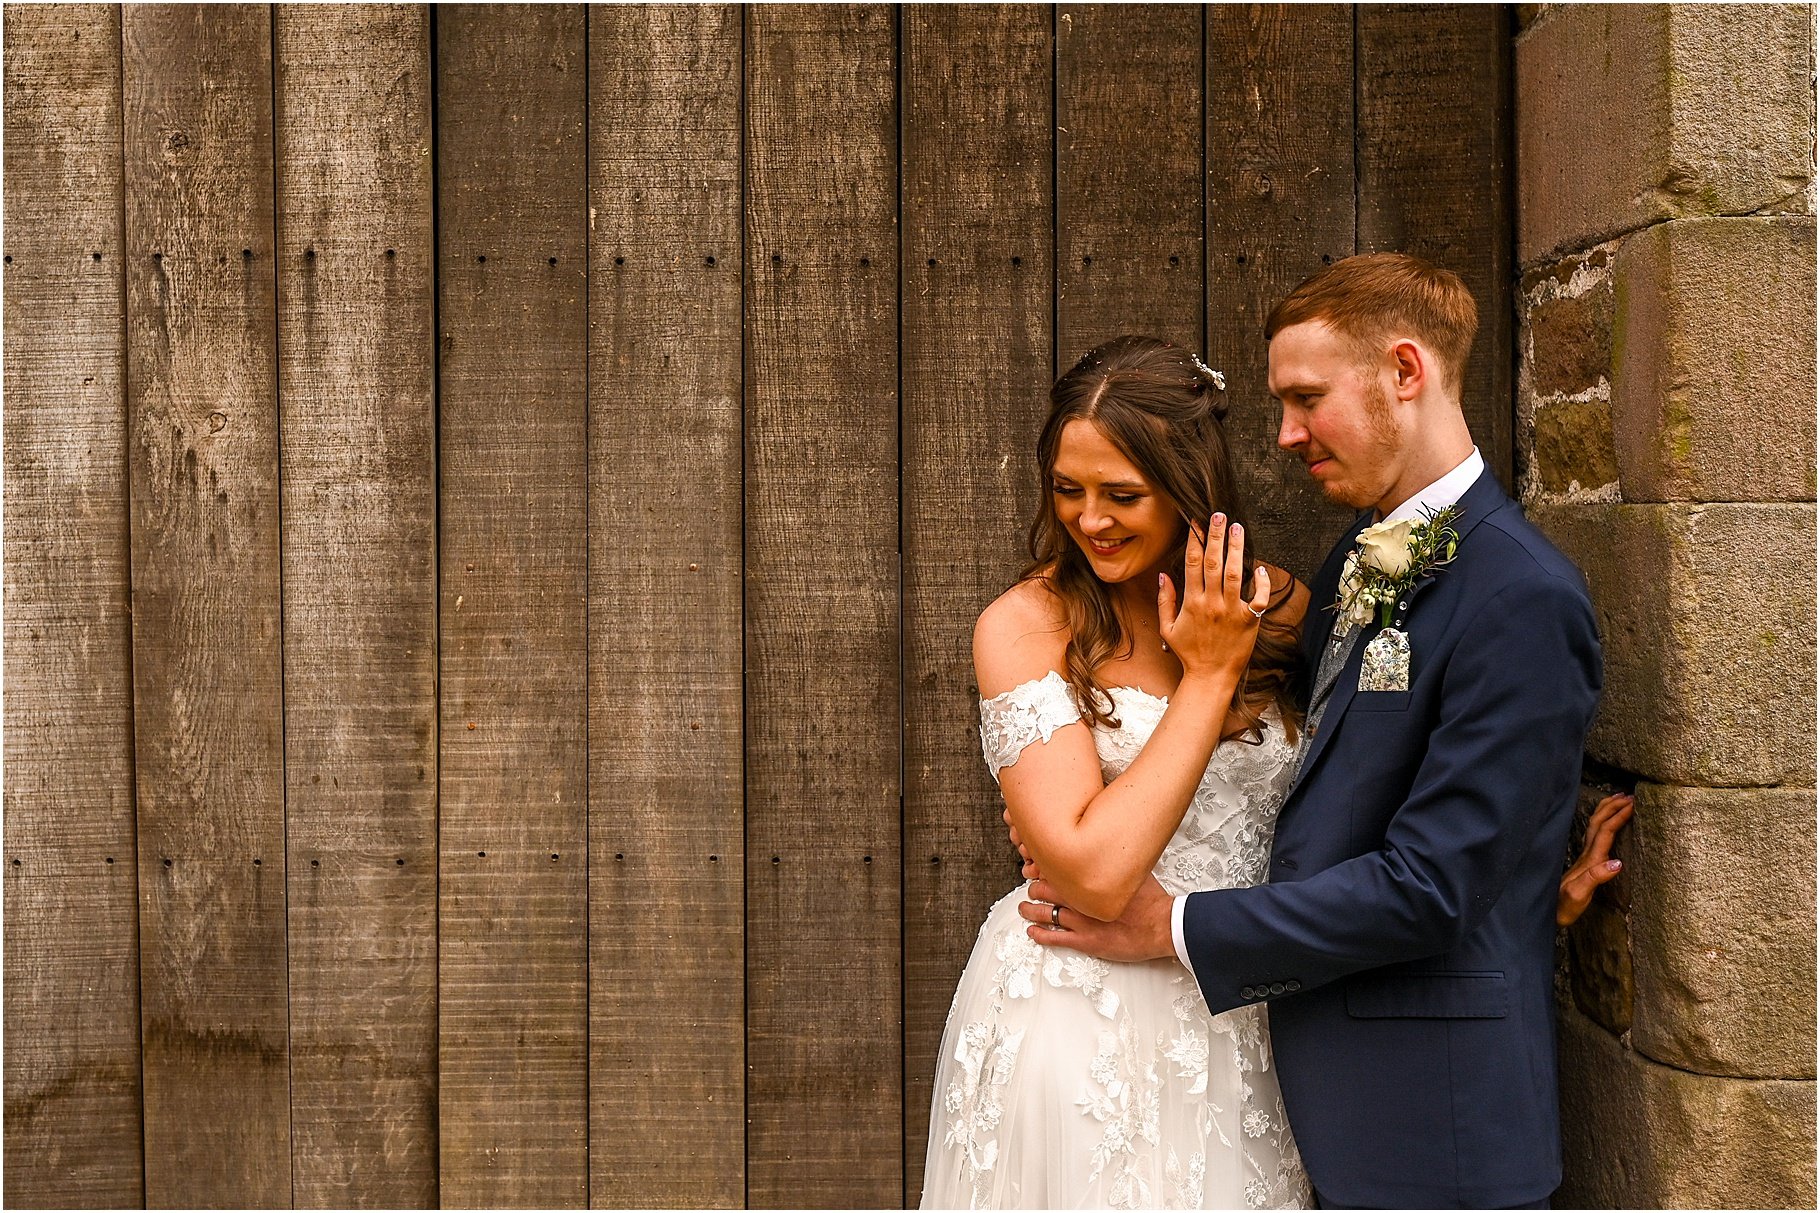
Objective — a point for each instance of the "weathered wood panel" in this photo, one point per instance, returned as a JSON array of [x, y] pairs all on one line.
[[72, 948], [357, 430], [977, 314], [72, 1092], [1279, 207], [823, 975], [1128, 223], [666, 766], [1434, 156], [540, 1006], [207, 703], [511, 166]]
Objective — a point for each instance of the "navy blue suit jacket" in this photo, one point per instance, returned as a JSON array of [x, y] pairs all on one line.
[[1405, 939]]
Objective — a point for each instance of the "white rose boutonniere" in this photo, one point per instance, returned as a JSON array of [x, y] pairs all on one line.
[[1385, 547], [1390, 558]]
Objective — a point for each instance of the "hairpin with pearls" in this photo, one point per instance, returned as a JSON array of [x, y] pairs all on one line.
[[1208, 373]]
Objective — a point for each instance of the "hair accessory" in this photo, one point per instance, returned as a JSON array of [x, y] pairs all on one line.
[[1208, 373]]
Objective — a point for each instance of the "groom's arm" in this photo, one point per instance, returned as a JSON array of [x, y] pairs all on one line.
[[1518, 694]]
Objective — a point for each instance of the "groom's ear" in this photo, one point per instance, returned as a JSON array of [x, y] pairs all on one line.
[[1411, 366]]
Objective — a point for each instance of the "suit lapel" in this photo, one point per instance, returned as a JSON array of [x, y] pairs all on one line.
[[1476, 505], [1337, 700]]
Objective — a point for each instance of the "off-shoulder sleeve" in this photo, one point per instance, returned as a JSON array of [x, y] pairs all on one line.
[[1028, 712]]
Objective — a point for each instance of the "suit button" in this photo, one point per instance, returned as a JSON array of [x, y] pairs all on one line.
[[1248, 992], [1294, 986], [1277, 987]]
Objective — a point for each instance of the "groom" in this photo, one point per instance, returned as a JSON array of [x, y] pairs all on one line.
[[1405, 939]]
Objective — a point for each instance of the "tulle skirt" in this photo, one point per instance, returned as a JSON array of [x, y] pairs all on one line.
[[1069, 1082]]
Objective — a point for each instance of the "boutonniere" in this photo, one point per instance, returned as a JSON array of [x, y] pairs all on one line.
[[1391, 557]]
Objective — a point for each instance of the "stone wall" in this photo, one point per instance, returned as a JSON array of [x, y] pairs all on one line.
[[1665, 422]]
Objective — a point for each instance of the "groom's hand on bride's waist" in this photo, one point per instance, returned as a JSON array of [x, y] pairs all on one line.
[[1140, 933]]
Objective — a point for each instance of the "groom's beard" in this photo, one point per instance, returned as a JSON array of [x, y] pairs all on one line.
[[1367, 474]]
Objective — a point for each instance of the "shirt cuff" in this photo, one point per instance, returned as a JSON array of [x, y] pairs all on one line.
[[1175, 931]]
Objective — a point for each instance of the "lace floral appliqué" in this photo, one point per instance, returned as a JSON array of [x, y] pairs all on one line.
[[984, 1059], [1025, 714]]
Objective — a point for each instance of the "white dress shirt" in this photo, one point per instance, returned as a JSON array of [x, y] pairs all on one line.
[[1436, 497]]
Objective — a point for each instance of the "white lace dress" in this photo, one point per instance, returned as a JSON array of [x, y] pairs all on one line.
[[1065, 1081]]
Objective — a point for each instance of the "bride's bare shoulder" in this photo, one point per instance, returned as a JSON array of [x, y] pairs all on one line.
[[1019, 636], [1029, 606]]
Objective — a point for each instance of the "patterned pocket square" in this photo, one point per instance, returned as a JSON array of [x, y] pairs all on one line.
[[1386, 663]]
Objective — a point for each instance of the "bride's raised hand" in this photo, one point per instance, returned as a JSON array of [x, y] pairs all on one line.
[[1215, 627]]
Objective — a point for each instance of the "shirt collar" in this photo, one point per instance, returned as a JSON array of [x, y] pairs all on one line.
[[1442, 493]]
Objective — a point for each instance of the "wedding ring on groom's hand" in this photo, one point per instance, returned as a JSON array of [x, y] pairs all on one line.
[[1055, 916]]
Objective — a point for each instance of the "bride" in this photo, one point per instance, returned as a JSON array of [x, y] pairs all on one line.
[[1066, 1081]]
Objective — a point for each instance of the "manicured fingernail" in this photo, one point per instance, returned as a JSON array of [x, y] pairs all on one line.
[[1613, 865], [1219, 519]]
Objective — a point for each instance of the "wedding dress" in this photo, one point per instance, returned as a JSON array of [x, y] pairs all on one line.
[[1066, 1081]]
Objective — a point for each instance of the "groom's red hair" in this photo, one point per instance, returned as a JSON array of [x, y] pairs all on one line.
[[1372, 296]]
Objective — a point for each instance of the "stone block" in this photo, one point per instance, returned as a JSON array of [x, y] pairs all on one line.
[[1630, 114], [1638, 1135], [1706, 614], [1573, 445], [1599, 966], [1723, 936], [1565, 312], [1570, 340], [1712, 390]]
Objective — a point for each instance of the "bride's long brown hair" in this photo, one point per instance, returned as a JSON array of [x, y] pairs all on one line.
[[1165, 412]]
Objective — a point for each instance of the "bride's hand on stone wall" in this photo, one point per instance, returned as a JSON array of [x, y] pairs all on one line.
[[1595, 865]]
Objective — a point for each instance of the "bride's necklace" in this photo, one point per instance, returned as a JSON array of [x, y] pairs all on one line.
[[1144, 624]]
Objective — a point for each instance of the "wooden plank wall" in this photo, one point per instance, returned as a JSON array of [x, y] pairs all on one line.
[[72, 942], [666, 764], [512, 297], [824, 1107], [498, 499], [1127, 175], [358, 472], [202, 405]]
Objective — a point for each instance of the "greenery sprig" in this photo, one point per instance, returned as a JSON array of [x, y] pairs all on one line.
[[1390, 559]]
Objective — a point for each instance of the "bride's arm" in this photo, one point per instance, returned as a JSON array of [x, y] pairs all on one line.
[[1098, 842]]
